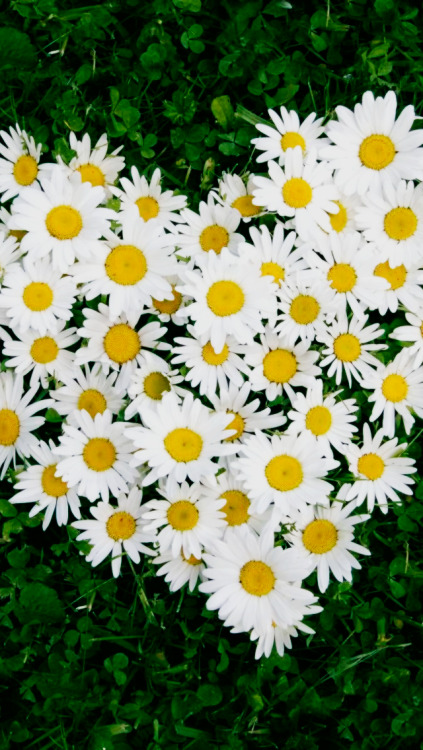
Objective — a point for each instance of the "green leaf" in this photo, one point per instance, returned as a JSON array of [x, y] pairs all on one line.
[[223, 111], [210, 695], [39, 603], [53, 416], [7, 509], [16, 50]]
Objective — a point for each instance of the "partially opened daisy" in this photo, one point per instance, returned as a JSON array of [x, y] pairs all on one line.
[[237, 511], [165, 309], [94, 456], [43, 356], [88, 389], [348, 347], [324, 539], [345, 221], [371, 147], [93, 163], [303, 308], [288, 133], [180, 570], [280, 635], [9, 255], [413, 332], [19, 166], [116, 530], [180, 440], [397, 389], [380, 470], [150, 382], [152, 203], [38, 484], [213, 228], [233, 191], [404, 287], [274, 252]]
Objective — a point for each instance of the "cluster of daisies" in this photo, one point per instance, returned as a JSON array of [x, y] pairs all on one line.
[[203, 364]]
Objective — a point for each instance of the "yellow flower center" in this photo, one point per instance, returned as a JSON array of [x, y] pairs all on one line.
[[396, 276], [320, 536], [155, 385], [400, 223], [18, 234], [213, 358], [183, 444], [121, 343], [52, 485], [183, 515], [279, 366], [237, 424], [37, 296], [376, 152], [284, 473], [338, 221], [346, 347], [99, 454], [297, 193], [214, 238], [371, 465], [318, 420], [44, 350], [304, 309], [273, 269], [257, 578], [225, 298], [292, 139], [64, 222], [395, 388], [9, 427], [168, 306], [244, 204], [126, 265], [92, 401], [236, 508], [25, 170], [91, 173], [342, 277], [148, 207], [121, 525], [191, 560]]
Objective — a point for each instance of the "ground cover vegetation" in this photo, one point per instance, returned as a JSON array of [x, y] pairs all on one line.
[[96, 661]]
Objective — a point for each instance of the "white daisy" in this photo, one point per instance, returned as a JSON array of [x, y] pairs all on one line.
[[94, 164], [280, 635], [180, 570], [94, 456], [236, 193], [236, 510], [348, 347], [9, 255], [116, 530], [43, 356], [345, 221], [88, 389], [404, 287], [19, 166], [288, 133], [212, 229], [148, 197], [165, 309], [150, 382], [413, 333], [274, 252], [304, 308]]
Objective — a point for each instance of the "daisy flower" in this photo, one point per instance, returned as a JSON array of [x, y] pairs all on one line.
[[187, 521], [150, 382], [413, 333], [288, 133], [19, 166], [284, 470], [87, 389], [165, 309], [180, 440], [94, 164], [274, 252], [17, 420], [234, 192], [304, 189], [115, 530], [345, 221], [212, 229], [397, 389], [149, 199], [39, 484], [180, 570], [236, 510], [380, 470], [324, 539], [9, 255], [348, 347], [94, 456], [304, 307], [371, 147], [328, 420], [404, 287], [280, 635], [43, 356]]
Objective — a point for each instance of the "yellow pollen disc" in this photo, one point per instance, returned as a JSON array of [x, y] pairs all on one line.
[[237, 424], [297, 193], [395, 388], [44, 350], [257, 578], [371, 465], [18, 234], [338, 221], [52, 485], [304, 309], [284, 473], [64, 222], [318, 420], [244, 204], [346, 347], [376, 152], [25, 170], [169, 306], [279, 366], [191, 560], [342, 277], [211, 357], [92, 401], [121, 343], [292, 139], [183, 444], [236, 508], [400, 223], [99, 454], [126, 265], [320, 536], [91, 173], [273, 269], [37, 296], [148, 207], [121, 525], [182, 515], [155, 385], [214, 238], [9, 427], [225, 298], [396, 276]]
